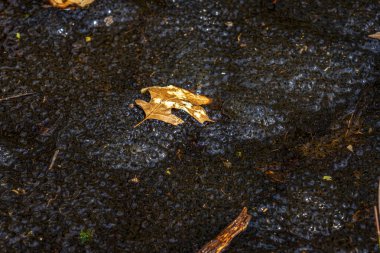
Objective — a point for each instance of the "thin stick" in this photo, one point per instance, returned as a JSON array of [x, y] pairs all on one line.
[[377, 224], [16, 96], [378, 196], [376, 209], [53, 159], [220, 243]]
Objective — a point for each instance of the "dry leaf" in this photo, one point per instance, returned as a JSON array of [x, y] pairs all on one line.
[[164, 99], [220, 243], [66, 3], [275, 172], [375, 36], [350, 148], [276, 176], [360, 215], [227, 164]]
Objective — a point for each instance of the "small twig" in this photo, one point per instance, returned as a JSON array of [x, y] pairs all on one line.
[[16, 96], [225, 237], [53, 159], [375, 36]]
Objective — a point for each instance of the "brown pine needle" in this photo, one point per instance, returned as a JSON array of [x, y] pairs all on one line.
[[16, 96], [221, 242], [53, 159], [376, 209]]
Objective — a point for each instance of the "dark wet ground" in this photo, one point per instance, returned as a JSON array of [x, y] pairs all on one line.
[[292, 87]]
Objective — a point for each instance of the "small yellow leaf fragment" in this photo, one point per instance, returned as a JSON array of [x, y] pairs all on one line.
[[168, 172], [88, 38], [350, 148], [229, 24], [19, 191], [327, 178], [135, 180], [18, 36], [375, 36]]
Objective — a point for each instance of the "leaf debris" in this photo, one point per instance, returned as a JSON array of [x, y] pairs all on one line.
[[164, 99], [135, 180]]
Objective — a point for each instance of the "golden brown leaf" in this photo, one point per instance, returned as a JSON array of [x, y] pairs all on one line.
[[225, 237], [375, 36], [164, 99], [66, 3]]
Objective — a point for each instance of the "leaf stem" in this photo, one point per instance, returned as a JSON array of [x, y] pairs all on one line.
[[147, 115], [140, 122]]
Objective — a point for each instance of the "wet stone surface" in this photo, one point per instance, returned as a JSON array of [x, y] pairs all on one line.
[[292, 88]]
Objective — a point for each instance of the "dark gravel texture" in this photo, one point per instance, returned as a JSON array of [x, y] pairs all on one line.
[[293, 87]]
